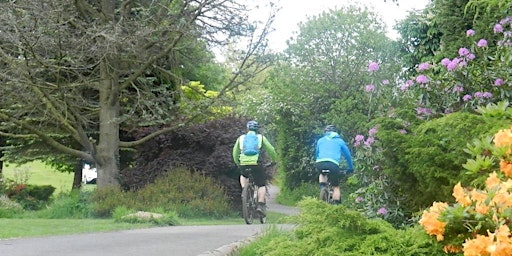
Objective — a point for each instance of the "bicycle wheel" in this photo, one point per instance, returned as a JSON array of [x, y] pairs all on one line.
[[263, 219], [248, 204], [324, 195]]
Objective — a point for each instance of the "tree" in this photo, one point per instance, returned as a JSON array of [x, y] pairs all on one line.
[[322, 78], [77, 75]]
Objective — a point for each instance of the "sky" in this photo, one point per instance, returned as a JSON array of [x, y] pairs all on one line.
[[294, 11]]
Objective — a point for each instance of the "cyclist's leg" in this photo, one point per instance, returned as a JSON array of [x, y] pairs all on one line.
[[335, 177], [260, 179], [243, 176], [322, 179]]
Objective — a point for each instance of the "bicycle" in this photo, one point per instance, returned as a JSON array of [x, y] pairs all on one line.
[[250, 199], [327, 192]]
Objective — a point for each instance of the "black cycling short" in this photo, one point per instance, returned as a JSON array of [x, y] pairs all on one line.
[[257, 172], [336, 175]]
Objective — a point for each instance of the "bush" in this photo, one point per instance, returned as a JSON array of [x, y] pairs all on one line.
[[335, 230], [74, 205], [291, 197], [31, 197], [428, 163], [9, 208], [188, 194]]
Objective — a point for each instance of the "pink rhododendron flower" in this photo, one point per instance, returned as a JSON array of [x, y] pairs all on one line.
[[498, 28], [385, 81], [402, 131], [382, 211], [422, 79], [467, 97], [373, 66], [370, 88], [372, 131], [498, 82], [445, 62], [482, 43], [423, 66], [463, 51], [470, 32]]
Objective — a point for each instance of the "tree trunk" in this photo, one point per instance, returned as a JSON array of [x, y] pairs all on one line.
[[77, 177], [107, 152]]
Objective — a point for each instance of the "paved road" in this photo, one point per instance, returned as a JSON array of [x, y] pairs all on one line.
[[161, 241]]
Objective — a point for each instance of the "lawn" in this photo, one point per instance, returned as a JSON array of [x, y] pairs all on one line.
[[37, 173]]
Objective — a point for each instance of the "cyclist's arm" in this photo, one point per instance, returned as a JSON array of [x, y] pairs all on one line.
[[348, 157], [236, 152], [265, 144]]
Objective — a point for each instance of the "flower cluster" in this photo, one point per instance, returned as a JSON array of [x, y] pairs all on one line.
[[478, 75], [482, 218]]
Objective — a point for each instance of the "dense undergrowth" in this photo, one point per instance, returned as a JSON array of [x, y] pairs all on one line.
[[324, 229], [180, 193]]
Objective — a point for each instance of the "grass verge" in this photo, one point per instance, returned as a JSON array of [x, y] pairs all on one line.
[[18, 228]]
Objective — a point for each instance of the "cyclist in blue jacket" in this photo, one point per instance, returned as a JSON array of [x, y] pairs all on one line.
[[328, 152]]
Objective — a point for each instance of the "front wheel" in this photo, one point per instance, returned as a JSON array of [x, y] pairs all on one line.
[[247, 204], [324, 195]]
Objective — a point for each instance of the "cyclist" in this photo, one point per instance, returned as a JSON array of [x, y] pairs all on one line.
[[328, 152], [253, 163]]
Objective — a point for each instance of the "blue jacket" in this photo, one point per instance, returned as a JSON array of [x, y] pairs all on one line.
[[330, 148]]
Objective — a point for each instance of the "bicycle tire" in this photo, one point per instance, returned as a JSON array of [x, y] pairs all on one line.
[[248, 204], [263, 219], [324, 195]]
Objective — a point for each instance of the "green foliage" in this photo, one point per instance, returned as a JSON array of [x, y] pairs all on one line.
[[335, 230], [428, 163], [189, 194], [291, 196], [314, 86], [419, 38], [9, 208], [31, 197], [72, 205]]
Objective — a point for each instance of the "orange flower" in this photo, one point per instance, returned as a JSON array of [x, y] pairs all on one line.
[[502, 233], [506, 168], [492, 181], [477, 246], [482, 208], [460, 195], [430, 220], [478, 196], [503, 138]]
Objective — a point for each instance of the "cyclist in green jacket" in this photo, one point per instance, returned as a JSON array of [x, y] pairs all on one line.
[[251, 162]]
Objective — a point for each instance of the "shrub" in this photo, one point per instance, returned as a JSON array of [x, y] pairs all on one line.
[[9, 208], [427, 165], [335, 230], [479, 222], [187, 193], [74, 205]]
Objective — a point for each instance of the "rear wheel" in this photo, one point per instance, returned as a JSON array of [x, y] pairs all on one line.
[[324, 195], [248, 203]]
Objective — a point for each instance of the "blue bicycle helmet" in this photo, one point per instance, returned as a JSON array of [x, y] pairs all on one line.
[[253, 126]]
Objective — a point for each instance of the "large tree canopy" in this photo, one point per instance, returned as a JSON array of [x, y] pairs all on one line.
[[322, 79], [75, 74]]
